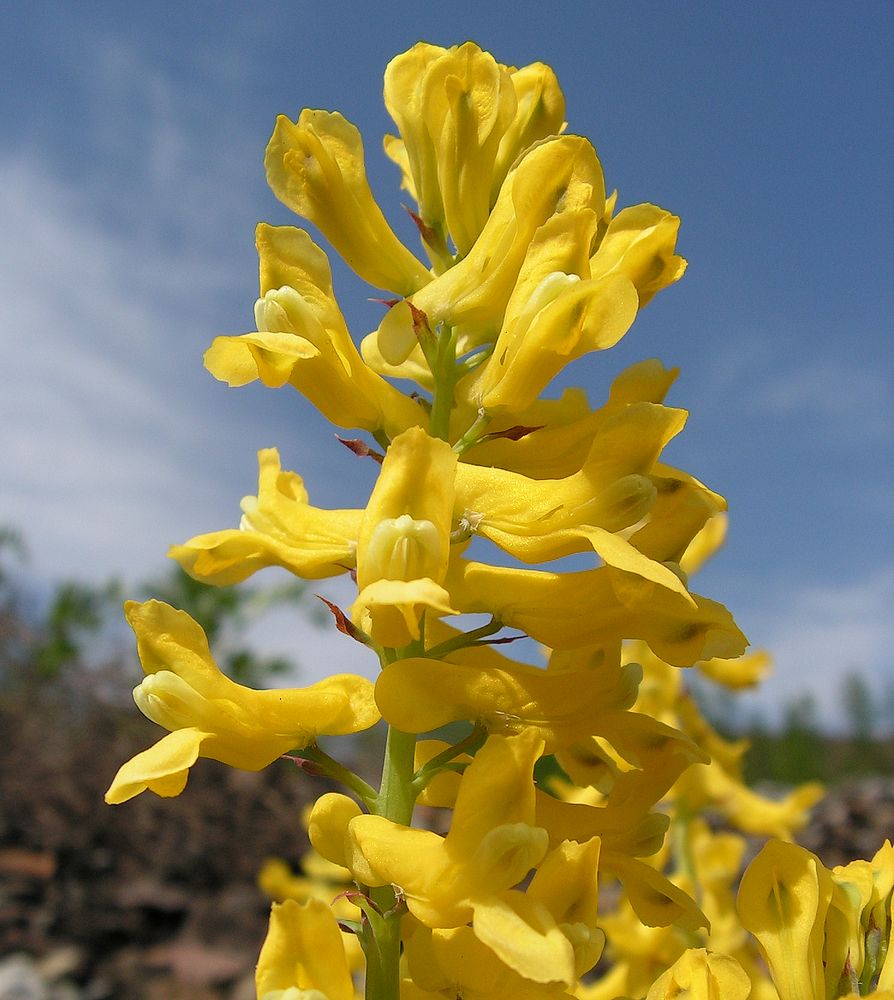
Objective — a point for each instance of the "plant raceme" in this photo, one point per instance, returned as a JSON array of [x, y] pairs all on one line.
[[525, 265]]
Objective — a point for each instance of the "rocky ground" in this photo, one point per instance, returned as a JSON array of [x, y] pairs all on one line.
[[156, 899], [151, 900]]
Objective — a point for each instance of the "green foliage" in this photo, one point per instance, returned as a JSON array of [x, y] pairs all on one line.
[[800, 749], [76, 613], [859, 707], [40, 646]]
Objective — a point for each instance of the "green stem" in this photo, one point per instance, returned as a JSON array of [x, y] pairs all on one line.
[[397, 796], [443, 760], [381, 945], [682, 843], [395, 801], [338, 772], [444, 372], [474, 360], [474, 434], [463, 639]]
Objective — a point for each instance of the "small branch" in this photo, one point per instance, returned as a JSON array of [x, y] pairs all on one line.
[[331, 768], [474, 434], [463, 640], [445, 761]]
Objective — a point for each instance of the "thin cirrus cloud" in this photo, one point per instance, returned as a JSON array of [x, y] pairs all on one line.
[[854, 398]]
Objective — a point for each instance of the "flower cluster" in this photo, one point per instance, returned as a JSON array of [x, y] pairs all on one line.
[[482, 477]]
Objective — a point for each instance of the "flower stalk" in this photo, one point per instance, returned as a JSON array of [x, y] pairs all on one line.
[[533, 267]]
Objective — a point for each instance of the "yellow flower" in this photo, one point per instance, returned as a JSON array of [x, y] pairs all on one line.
[[566, 426], [860, 912], [418, 695], [303, 957], [469, 875], [598, 606], [452, 107], [452, 962], [712, 785], [565, 318], [302, 340], [639, 244], [463, 119], [278, 528], [315, 166], [783, 901], [682, 507], [579, 712], [565, 882], [539, 112], [557, 176], [209, 715], [540, 519], [321, 880], [700, 975], [404, 543], [414, 152], [656, 900], [744, 672]]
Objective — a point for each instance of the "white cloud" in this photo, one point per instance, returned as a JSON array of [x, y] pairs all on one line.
[[837, 389], [95, 428], [113, 280], [844, 395], [820, 634]]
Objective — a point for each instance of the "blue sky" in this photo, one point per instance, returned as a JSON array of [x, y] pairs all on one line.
[[131, 179]]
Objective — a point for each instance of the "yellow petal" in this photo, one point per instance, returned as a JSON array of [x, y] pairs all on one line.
[[497, 789], [163, 768], [655, 899], [585, 316], [327, 827], [744, 672], [567, 425], [705, 544], [303, 950], [315, 166], [522, 933], [639, 244], [556, 176], [418, 695], [302, 339], [566, 883], [783, 900], [539, 519], [699, 975], [597, 607], [382, 852], [468, 101], [540, 112], [452, 961], [416, 482], [279, 528], [404, 543], [682, 507], [405, 99], [390, 610], [185, 691]]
